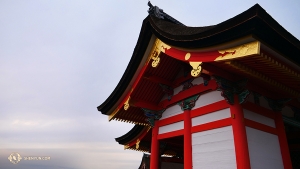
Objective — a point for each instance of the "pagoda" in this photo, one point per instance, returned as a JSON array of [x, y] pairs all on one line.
[[223, 96]]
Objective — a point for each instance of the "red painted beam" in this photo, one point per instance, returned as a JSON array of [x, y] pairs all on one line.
[[196, 56], [261, 127], [211, 125], [209, 108], [259, 109], [170, 120], [197, 89], [170, 134]]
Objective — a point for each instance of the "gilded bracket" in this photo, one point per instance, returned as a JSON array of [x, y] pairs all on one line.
[[137, 144], [158, 47], [196, 71], [126, 146], [126, 104]]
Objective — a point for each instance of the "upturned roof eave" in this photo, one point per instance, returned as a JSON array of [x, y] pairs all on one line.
[[137, 56], [255, 21]]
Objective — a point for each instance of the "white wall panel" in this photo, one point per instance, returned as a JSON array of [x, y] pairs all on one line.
[[197, 81], [259, 118], [214, 149], [208, 98], [177, 89], [171, 111], [214, 116], [264, 150], [264, 103], [171, 127]]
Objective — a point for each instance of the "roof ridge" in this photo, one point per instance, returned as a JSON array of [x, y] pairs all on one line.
[[159, 13]]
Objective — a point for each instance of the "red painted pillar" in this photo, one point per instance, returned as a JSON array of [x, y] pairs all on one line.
[[287, 163], [154, 158], [187, 157], [240, 136]]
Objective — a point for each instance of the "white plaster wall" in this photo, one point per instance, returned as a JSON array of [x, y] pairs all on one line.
[[214, 149], [259, 118], [171, 127], [197, 81], [177, 89], [214, 116], [264, 150], [264, 103], [208, 98], [171, 111]]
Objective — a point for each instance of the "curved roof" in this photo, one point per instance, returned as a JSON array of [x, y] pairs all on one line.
[[134, 132], [255, 21]]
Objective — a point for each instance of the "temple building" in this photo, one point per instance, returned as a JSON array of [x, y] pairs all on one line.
[[216, 97]]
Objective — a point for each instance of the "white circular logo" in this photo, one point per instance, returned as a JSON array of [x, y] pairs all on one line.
[[14, 158]]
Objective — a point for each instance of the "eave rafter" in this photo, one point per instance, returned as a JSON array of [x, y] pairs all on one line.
[[279, 66], [158, 80], [145, 104], [257, 75]]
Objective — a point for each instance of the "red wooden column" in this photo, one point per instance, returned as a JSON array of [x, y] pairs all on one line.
[[187, 140], [287, 163], [240, 136], [154, 158]]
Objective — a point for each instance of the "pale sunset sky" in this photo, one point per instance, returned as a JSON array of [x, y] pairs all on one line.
[[60, 59]]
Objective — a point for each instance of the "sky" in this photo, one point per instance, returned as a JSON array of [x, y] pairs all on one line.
[[60, 59]]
